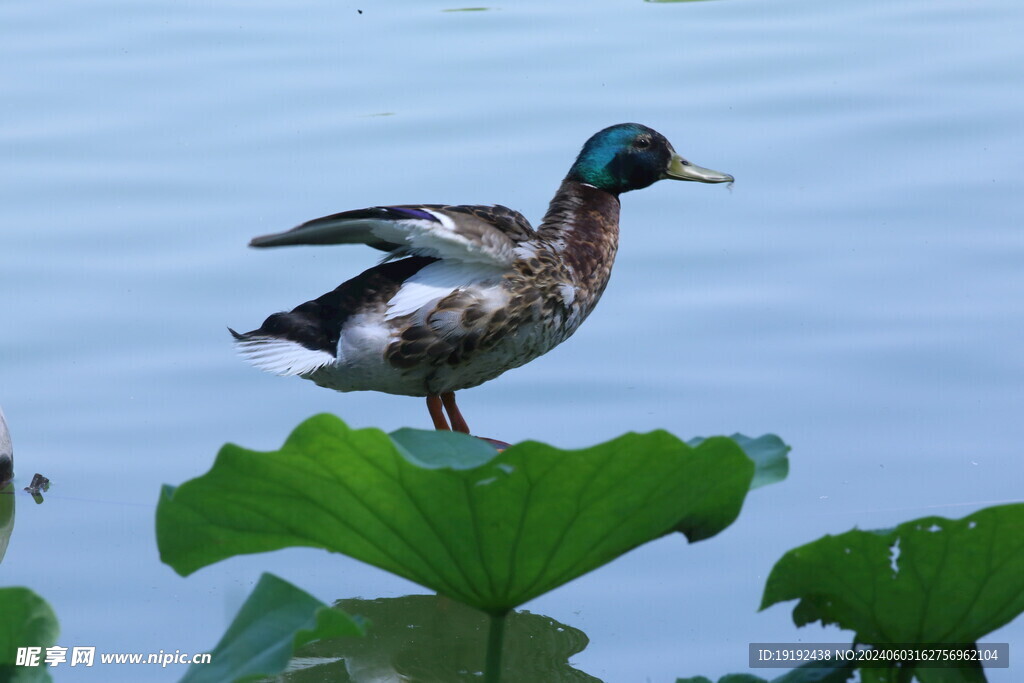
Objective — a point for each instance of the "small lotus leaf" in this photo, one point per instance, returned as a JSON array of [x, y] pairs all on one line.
[[276, 619]]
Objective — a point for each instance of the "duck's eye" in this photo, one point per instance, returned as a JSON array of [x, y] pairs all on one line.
[[643, 143]]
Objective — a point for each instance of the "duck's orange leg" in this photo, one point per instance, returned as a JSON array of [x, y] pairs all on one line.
[[436, 414], [458, 422]]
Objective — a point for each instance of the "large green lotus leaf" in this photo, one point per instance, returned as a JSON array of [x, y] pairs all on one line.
[[931, 580], [26, 620], [492, 536], [276, 619]]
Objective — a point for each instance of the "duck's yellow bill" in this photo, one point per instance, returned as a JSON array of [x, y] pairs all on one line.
[[681, 169]]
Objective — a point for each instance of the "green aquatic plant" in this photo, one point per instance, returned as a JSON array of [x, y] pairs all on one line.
[[930, 581], [495, 529], [433, 638], [26, 620], [927, 583], [446, 510], [276, 619]]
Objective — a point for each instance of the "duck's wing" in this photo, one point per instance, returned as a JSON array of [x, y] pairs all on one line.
[[470, 234]]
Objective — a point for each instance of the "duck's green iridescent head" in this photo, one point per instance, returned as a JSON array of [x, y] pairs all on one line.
[[630, 156]]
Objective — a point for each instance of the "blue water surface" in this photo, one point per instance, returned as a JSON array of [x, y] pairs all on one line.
[[859, 291]]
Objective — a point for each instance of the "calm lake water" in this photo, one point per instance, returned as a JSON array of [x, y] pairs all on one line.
[[859, 291]]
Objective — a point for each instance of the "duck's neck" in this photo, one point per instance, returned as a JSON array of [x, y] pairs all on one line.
[[582, 226]]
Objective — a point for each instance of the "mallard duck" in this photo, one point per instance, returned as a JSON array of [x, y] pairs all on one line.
[[464, 292]]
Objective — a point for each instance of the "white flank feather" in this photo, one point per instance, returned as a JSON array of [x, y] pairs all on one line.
[[436, 281], [568, 293], [281, 356]]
